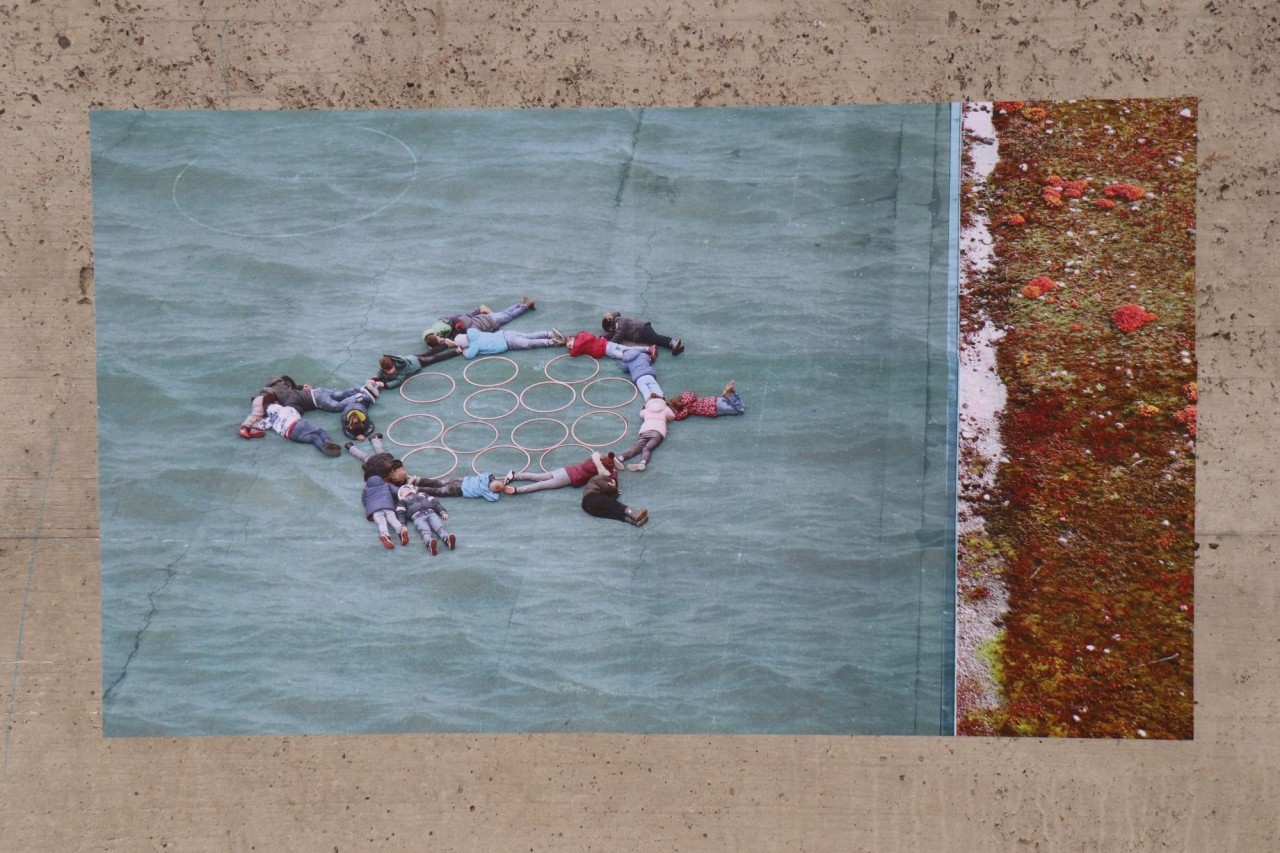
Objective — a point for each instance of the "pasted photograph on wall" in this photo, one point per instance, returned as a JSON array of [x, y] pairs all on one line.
[[645, 420]]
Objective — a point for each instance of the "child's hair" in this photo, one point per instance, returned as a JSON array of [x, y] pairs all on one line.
[[654, 395], [269, 398], [433, 340], [610, 320], [386, 364]]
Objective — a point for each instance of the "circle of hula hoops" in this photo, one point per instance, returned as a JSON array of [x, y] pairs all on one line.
[[515, 368], [475, 460], [635, 392], [573, 395], [452, 385], [450, 451], [490, 390], [542, 460], [547, 370], [444, 435], [574, 429], [549, 447], [435, 437]]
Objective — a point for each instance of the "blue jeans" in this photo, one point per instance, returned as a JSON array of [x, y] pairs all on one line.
[[329, 400], [430, 524], [528, 340], [731, 405], [498, 319], [305, 432]]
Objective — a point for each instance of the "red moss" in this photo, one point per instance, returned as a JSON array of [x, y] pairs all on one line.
[[1039, 286], [1015, 219], [1187, 415], [1192, 391], [1035, 113], [1104, 204], [1052, 196], [1129, 192], [1009, 107], [1055, 181], [1130, 318]]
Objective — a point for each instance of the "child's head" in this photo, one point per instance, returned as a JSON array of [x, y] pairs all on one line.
[[462, 324], [499, 486], [406, 491], [357, 423], [387, 366], [610, 321], [269, 398], [433, 340], [397, 475]]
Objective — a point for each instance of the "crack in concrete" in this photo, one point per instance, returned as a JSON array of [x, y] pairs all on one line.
[[170, 571], [376, 281], [625, 177]]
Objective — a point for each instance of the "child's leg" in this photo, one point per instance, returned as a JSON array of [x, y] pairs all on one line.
[[647, 385], [376, 441], [644, 446], [730, 405], [618, 351], [380, 517], [506, 315], [635, 449], [649, 336], [256, 413], [421, 522], [651, 445], [557, 479], [442, 533], [329, 400], [529, 340]]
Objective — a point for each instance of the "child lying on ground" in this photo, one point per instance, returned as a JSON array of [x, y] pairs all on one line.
[[286, 421], [427, 514]]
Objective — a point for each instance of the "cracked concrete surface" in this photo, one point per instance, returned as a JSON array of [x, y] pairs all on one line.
[[64, 787]]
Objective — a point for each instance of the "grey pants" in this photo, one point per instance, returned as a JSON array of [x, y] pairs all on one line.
[[644, 446], [557, 479]]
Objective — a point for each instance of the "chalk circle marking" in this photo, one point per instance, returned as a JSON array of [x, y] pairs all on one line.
[[547, 371], [635, 392], [453, 384], [439, 447], [573, 395], [177, 182], [474, 394], [515, 371], [529, 447], [475, 460], [435, 437], [445, 435], [574, 429]]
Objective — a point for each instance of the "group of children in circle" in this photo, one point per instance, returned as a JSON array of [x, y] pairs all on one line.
[[393, 498]]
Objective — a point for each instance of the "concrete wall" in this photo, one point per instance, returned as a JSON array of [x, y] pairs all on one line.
[[64, 787]]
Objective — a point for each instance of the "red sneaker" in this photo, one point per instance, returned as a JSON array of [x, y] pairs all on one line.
[[386, 541], [404, 536], [453, 541], [433, 547]]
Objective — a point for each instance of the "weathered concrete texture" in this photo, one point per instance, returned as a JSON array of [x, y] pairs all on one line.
[[63, 787]]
